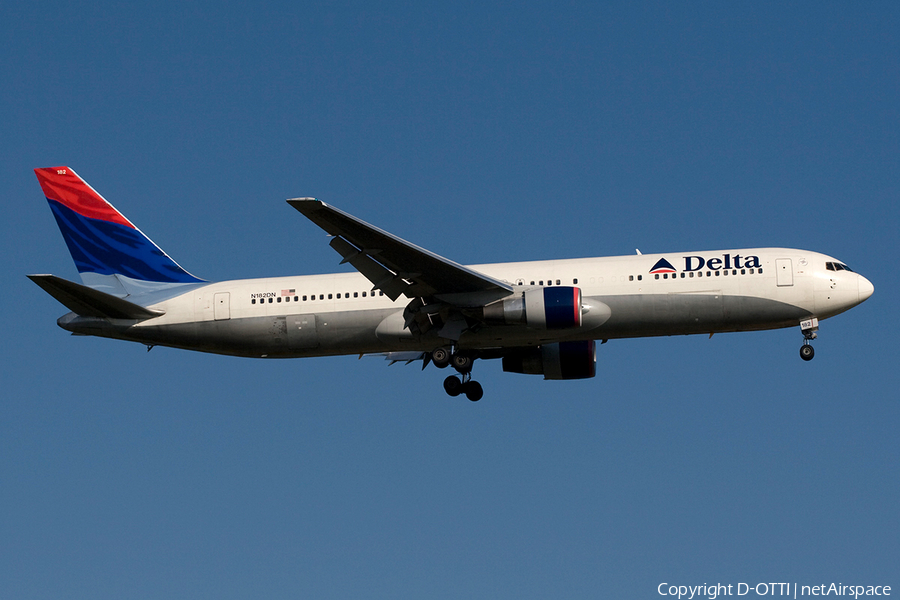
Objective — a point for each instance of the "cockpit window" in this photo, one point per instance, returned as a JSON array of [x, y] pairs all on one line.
[[836, 266]]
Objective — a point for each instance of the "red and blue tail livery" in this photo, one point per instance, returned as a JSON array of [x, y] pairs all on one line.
[[101, 240]]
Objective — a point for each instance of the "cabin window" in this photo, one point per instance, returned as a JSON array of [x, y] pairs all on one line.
[[575, 281], [656, 276]]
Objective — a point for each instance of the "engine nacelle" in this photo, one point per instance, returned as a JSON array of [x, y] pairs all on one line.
[[560, 360], [540, 308]]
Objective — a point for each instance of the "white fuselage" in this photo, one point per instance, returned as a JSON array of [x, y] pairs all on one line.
[[625, 296]]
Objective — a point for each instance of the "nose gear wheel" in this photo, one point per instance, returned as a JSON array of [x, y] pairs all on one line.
[[809, 327], [807, 352]]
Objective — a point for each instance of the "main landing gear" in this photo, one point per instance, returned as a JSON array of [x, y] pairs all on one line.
[[463, 384], [472, 389], [809, 327]]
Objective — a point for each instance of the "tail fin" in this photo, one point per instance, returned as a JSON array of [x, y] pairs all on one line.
[[109, 252]]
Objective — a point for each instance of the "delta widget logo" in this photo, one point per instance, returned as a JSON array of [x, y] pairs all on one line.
[[662, 266]]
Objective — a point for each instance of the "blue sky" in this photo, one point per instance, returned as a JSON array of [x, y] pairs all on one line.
[[484, 133]]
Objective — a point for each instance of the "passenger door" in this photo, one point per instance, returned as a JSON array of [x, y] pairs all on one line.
[[222, 306], [784, 273]]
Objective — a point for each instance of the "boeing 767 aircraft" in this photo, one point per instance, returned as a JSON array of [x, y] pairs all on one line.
[[407, 303]]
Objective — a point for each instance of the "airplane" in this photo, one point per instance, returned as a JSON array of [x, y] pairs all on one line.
[[408, 304]]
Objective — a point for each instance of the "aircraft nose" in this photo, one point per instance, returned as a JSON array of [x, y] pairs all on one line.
[[866, 288]]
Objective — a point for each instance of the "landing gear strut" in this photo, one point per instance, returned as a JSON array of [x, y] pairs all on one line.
[[809, 327], [462, 384]]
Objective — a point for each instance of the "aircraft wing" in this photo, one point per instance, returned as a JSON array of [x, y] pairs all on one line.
[[396, 266]]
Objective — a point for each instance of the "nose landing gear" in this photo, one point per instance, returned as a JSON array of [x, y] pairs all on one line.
[[809, 327]]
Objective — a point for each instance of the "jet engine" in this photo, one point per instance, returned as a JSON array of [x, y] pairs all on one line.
[[539, 308], [559, 360]]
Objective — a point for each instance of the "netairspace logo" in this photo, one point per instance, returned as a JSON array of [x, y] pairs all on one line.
[[793, 590]]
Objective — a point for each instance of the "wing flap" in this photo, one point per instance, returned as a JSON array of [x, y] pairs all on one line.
[[89, 302], [382, 278]]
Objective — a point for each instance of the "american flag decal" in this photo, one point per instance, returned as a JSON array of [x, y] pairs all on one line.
[[288, 292]]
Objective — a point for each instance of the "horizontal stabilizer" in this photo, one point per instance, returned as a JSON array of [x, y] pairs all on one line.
[[89, 302]]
